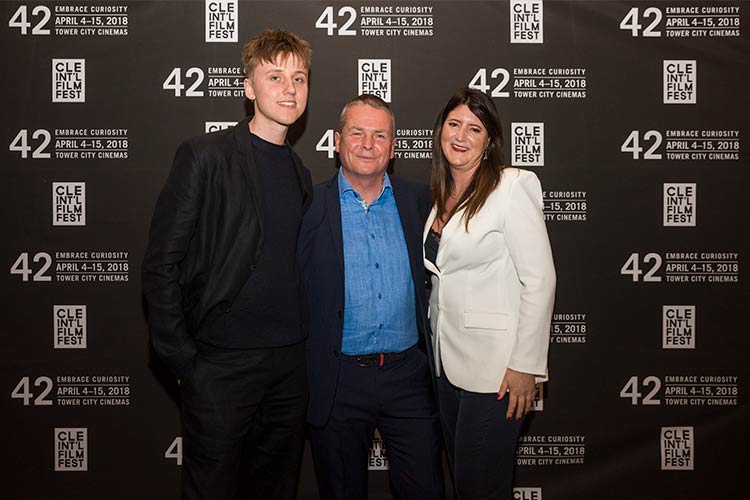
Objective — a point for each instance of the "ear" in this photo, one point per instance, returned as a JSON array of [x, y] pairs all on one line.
[[249, 91], [337, 140], [393, 148]]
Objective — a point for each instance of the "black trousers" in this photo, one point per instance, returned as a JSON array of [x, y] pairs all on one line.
[[243, 414], [480, 442], [399, 400]]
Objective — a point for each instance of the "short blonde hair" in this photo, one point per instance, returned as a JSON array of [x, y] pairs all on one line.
[[272, 43]]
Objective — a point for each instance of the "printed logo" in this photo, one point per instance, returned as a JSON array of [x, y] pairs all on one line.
[[71, 449], [680, 82], [526, 21], [678, 327], [69, 327], [679, 204], [527, 494], [215, 126], [69, 203], [375, 77], [68, 80], [222, 20], [536, 449], [527, 144], [377, 456], [677, 448]]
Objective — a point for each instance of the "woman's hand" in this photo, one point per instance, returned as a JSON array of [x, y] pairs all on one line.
[[520, 388]]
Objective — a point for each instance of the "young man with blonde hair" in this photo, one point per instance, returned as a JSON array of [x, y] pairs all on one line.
[[222, 286]]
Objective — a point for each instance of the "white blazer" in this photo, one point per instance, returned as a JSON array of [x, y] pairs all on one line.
[[493, 288]]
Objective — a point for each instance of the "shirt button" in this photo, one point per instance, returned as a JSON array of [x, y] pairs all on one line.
[[372, 235], [377, 265], [380, 296]]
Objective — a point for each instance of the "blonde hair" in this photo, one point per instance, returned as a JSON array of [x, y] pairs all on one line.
[[270, 45]]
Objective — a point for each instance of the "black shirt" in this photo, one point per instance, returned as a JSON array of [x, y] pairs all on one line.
[[431, 245], [267, 310]]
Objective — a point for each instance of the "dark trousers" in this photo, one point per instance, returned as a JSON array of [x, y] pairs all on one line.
[[398, 399], [243, 414], [480, 442]]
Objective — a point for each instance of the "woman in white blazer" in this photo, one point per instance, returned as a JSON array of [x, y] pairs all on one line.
[[493, 287]]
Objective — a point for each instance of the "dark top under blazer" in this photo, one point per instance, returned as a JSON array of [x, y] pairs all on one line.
[[321, 252], [206, 236]]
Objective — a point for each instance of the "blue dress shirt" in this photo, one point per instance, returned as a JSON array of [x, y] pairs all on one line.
[[379, 307]]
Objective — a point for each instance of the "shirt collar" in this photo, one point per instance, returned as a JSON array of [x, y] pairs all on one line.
[[345, 186]]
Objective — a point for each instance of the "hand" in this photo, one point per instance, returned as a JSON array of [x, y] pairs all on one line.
[[520, 388]]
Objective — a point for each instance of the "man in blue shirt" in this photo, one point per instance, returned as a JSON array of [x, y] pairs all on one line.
[[360, 249]]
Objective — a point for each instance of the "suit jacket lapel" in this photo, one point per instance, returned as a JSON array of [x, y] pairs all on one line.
[[333, 214], [409, 215], [249, 168], [455, 225]]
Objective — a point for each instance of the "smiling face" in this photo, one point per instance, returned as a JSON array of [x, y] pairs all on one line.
[[463, 139], [365, 144], [279, 90]]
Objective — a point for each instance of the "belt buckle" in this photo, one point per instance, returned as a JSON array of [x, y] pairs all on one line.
[[370, 360]]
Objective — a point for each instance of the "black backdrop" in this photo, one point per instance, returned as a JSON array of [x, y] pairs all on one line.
[[633, 114]]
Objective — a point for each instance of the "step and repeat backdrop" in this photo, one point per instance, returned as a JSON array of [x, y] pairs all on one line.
[[634, 114]]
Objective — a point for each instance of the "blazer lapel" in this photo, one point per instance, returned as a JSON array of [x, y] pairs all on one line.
[[249, 168], [455, 223], [333, 214], [409, 215]]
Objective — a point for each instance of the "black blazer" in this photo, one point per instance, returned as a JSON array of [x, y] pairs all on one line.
[[206, 236], [321, 253]]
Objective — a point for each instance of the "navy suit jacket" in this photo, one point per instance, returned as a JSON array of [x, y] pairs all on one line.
[[321, 254]]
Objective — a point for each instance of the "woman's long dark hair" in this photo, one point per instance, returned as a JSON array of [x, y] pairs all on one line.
[[487, 175]]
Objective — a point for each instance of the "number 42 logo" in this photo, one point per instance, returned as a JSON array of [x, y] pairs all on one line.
[[632, 267]]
